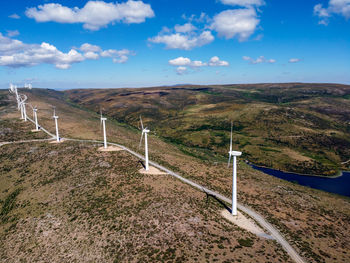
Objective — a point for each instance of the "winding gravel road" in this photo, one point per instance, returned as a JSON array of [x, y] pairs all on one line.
[[267, 226]]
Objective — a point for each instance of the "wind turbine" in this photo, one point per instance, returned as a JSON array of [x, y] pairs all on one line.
[[234, 175], [144, 132], [20, 105], [24, 110], [103, 123], [56, 117], [35, 109]]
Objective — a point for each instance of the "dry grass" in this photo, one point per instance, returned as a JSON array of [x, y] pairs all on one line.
[[317, 223]]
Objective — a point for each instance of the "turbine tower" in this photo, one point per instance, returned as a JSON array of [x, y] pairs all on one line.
[[36, 118], [21, 108], [103, 123], [234, 175], [24, 111], [144, 132], [56, 117]]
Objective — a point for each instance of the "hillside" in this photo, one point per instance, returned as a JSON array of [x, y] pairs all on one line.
[[303, 128], [96, 205]]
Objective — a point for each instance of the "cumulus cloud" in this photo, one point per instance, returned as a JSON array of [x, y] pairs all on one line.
[[182, 64], [245, 3], [180, 61], [86, 47], [15, 54], [91, 55], [294, 60], [259, 60], [186, 28], [240, 23], [335, 7], [14, 16], [183, 41], [94, 15], [216, 62]]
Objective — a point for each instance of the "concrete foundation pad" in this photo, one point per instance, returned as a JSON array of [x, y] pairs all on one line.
[[57, 141], [110, 149], [246, 223], [152, 170], [35, 130]]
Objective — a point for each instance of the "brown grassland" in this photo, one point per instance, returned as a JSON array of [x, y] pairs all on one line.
[[69, 202]]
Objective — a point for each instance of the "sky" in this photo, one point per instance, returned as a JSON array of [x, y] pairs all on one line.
[[66, 44]]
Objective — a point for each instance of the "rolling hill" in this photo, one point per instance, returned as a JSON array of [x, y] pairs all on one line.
[[303, 128]]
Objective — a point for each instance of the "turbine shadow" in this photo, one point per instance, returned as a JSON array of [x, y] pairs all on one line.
[[217, 200], [141, 162]]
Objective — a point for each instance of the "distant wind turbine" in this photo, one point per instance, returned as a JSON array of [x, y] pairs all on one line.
[[144, 132], [234, 175], [35, 109], [103, 123], [56, 117]]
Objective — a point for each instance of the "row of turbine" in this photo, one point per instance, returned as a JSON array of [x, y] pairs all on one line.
[[21, 98]]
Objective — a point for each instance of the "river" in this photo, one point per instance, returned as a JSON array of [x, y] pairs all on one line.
[[339, 185]]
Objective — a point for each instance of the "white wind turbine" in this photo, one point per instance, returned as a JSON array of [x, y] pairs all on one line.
[[35, 112], [56, 117], [103, 123], [24, 110], [234, 175], [21, 108], [144, 132]]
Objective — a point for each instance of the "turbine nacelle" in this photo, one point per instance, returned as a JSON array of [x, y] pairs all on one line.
[[234, 153]]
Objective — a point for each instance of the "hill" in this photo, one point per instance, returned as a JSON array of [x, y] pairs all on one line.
[[70, 194], [303, 128]]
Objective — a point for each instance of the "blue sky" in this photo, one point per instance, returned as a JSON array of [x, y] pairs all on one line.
[[109, 44]]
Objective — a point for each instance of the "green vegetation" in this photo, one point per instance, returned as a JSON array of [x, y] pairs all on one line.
[[8, 205], [246, 242], [296, 127]]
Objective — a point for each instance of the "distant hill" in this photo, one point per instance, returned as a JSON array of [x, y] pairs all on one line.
[[296, 127]]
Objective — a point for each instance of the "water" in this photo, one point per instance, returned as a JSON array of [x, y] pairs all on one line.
[[339, 185]]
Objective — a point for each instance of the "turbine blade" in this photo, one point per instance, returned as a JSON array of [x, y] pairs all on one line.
[[229, 160], [141, 139], [141, 123]]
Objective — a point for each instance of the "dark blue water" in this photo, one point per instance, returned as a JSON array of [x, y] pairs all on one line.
[[339, 185]]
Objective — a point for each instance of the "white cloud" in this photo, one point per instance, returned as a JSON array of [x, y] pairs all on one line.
[[236, 22], [91, 55], [183, 41], [94, 15], [198, 64], [186, 28], [259, 60], [12, 33], [108, 53], [216, 62], [181, 70], [86, 47], [15, 54], [335, 7], [183, 63], [294, 60], [245, 3], [180, 61], [14, 16]]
